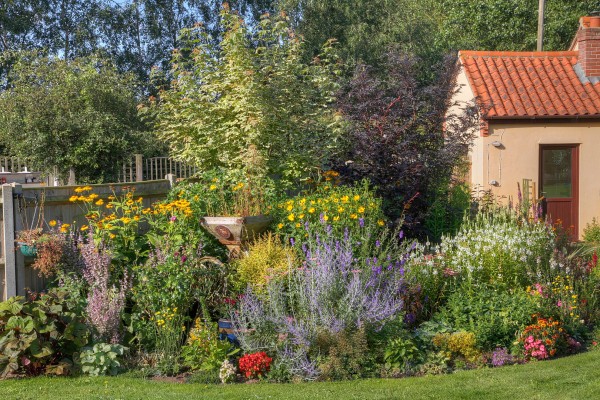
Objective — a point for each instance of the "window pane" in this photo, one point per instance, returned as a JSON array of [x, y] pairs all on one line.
[[556, 173]]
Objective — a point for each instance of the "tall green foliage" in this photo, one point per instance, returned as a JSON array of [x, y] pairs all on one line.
[[79, 114], [250, 103]]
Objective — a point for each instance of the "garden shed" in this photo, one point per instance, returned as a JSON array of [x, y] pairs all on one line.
[[539, 120]]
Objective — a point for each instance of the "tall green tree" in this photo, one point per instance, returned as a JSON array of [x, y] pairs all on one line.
[[509, 24], [79, 114], [250, 102]]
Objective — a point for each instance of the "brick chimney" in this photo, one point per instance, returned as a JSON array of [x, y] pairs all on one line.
[[588, 43]]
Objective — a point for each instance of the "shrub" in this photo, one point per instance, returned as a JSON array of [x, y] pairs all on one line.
[[457, 346], [591, 233], [101, 359], [353, 210], [402, 353], [227, 372], [344, 355], [332, 292], [204, 350], [267, 259], [493, 315], [498, 247], [255, 365], [42, 335]]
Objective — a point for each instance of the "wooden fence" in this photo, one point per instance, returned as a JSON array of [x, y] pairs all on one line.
[[14, 164], [139, 169], [18, 205]]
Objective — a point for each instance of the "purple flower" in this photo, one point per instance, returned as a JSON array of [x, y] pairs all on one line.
[[377, 244], [501, 357], [292, 242], [173, 218], [361, 222]]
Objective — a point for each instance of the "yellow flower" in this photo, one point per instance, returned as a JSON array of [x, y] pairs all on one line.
[[311, 210], [325, 218], [298, 225], [73, 198], [301, 216], [289, 207], [380, 222], [99, 202], [109, 205], [361, 210], [291, 217], [112, 236], [356, 198], [126, 220], [212, 187], [84, 228], [345, 199], [353, 216], [279, 226], [79, 190], [336, 218], [52, 223]]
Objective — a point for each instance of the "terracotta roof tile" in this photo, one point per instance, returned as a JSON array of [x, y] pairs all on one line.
[[530, 84]]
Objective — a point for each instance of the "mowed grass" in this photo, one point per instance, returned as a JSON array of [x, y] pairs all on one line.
[[576, 377]]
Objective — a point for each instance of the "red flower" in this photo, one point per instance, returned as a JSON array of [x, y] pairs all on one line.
[[255, 365]]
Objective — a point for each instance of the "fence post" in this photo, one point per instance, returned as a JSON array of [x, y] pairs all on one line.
[[72, 180], [139, 168], [171, 179], [8, 246]]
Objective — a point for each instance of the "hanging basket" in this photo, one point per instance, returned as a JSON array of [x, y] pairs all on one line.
[[28, 250]]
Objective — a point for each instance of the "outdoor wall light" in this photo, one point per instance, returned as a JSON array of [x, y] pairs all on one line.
[[497, 144], [494, 183]]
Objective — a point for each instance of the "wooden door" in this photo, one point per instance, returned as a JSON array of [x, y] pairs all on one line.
[[559, 184]]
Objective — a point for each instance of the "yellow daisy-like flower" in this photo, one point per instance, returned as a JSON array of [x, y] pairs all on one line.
[[356, 198], [301, 216], [109, 205], [52, 223], [279, 226], [325, 218], [73, 198], [112, 236], [380, 222], [340, 209], [298, 225], [345, 199], [289, 207], [291, 217], [84, 228], [361, 210], [212, 187], [353, 216], [311, 210], [79, 190], [126, 220], [336, 218], [99, 202]]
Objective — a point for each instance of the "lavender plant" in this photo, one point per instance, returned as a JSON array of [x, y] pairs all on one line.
[[331, 292]]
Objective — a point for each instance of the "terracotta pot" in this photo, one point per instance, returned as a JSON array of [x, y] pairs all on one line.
[[236, 232], [595, 22]]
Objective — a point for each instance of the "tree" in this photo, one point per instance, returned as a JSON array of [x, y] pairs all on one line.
[[79, 114], [250, 97], [366, 29], [400, 138], [509, 24]]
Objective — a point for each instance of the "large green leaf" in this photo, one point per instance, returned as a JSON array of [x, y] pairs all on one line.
[[13, 306], [23, 325]]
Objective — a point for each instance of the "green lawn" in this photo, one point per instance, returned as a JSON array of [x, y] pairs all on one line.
[[576, 377]]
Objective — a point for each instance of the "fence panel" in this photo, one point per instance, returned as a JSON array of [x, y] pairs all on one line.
[[16, 272]]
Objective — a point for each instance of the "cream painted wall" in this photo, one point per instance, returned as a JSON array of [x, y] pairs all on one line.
[[518, 158]]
